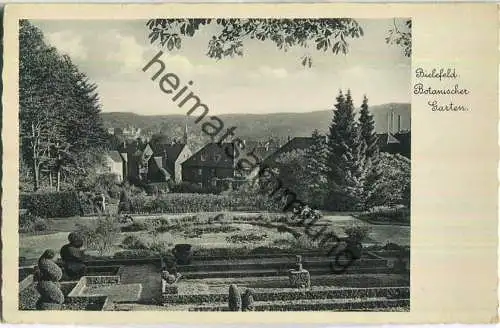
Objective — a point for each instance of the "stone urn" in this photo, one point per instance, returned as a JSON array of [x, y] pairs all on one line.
[[183, 253], [299, 277]]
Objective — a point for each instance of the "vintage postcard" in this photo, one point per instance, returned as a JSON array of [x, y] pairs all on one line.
[[241, 158]]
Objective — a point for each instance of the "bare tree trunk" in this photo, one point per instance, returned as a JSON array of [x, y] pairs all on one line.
[[35, 166], [58, 170], [36, 171], [58, 179], [50, 179]]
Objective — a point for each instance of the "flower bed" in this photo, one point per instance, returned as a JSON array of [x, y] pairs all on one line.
[[93, 280]]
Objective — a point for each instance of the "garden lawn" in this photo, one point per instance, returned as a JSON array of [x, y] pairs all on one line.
[[32, 246], [216, 239], [379, 234]]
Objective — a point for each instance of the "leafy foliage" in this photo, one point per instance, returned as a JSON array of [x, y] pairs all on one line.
[[245, 238], [51, 204], [401, 36], [367, 130], [326, 34], [357, 233], [189, 203], [101, 234], [317, 169], [60, 126], [384, 214], [346, 157], [29, 223], [393, 185]]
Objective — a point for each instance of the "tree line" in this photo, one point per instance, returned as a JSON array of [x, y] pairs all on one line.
[[61, 131], [344, 169]]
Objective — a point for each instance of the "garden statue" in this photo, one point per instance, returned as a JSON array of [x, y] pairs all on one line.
[[47, 275], [103, 203], [298, 262], [247, 301], [299, 277], [234, 299], [72, 256], [170, 278]]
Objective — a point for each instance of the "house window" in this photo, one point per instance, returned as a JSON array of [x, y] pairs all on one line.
[[200, 171], [203, 158], [217, 157]]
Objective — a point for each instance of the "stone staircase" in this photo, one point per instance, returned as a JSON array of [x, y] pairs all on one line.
[[370, 284]]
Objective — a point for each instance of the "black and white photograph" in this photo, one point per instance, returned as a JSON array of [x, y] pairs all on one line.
[[215, 164]]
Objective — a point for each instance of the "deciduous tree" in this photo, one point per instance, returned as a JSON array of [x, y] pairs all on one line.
[[324, 34]]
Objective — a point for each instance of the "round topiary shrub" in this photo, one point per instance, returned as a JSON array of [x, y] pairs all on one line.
[[234, 299], [72, 256]]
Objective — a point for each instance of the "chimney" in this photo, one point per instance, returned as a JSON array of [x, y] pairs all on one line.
[[388, 123], [392, 121], [399, 123]]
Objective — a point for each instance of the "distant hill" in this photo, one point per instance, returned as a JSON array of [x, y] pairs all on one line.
[[258, 126]]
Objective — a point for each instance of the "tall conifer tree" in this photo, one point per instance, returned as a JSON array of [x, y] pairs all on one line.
[[346, 159], [370, 142], [367, 129]]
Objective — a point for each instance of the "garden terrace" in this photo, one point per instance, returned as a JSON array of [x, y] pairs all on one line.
[[246, 249], [138, 286]]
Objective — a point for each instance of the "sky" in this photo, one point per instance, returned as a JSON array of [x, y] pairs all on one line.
[[265, 80]]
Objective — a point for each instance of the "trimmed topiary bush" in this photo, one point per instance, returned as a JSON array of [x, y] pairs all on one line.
[[124, 204], [247, 302], [47, 278], [49, 292], [72, 256], [234, 299]]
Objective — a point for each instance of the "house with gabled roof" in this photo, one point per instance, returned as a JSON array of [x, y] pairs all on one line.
[[169, 157], [395, 143], [296, 143], [211, 166], [113, 163]]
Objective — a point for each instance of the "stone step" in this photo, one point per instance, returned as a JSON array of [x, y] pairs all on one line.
[[282, 264], [381, 304], [292, 294], [346, 280], [276, 272]]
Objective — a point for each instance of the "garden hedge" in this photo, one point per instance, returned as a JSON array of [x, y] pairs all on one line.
[[280, 294], [189, 203], [51, 204]]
